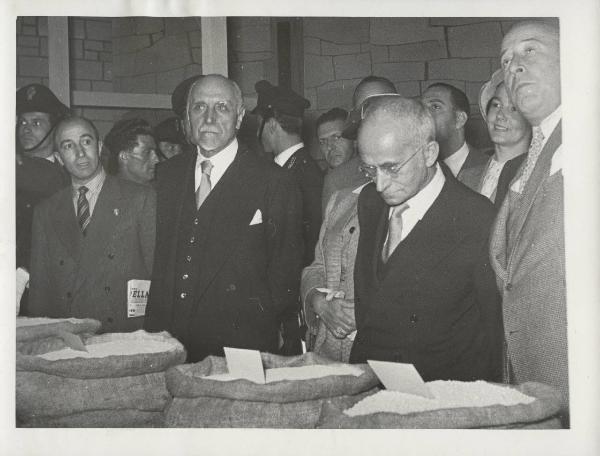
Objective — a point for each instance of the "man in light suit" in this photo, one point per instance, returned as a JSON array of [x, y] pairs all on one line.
[[450, 109], [229, 234], [527, 244], [424, 289], [90, 238]]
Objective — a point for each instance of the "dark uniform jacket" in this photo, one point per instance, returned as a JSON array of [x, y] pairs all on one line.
[[73, 275], [434, 303], [224, 274], [310, 180]]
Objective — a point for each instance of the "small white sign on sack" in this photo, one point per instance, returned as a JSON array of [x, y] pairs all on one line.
[[400, 377], [246, 364], [137, 297]]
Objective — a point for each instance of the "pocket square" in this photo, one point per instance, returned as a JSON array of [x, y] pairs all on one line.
[[257, 218]]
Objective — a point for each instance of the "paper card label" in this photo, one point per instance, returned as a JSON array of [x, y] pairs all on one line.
[[246, 364], [137, 297], [400, 377]]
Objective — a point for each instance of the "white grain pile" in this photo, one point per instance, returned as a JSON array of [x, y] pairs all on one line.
[[115, 347], [448, 394], [279, 374], [26, 321]]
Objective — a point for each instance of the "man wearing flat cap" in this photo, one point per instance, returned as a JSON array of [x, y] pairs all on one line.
[[280, 111], [38, 172], [229, 241]]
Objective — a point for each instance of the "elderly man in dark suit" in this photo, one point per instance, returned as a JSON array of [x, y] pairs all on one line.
[[424, 289], [450, 109], [229, 242], [91, 238], [528, 244]]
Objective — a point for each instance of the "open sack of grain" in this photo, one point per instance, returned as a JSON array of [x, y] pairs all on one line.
[[457, 405], [297, 386], [118, 382], [40, 334]]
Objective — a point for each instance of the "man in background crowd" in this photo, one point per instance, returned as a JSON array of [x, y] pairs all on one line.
[[170, 138], [38, 172], [229, 240], [528, 243], [91, 238], [336, 149], [132, 151], [424, 289], [348, 174], [280, 112], [450, 109]]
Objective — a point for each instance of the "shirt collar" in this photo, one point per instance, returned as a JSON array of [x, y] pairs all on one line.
[[92, 185], [457, 159], [284, 156], [222, 158], [419, 204], [549, 123]]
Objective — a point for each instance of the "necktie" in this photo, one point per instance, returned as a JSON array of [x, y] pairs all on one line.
[[394, 232], [532, 155], [205, 185], [83, 209]]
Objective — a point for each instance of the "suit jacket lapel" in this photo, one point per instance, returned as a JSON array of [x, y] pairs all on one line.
[[65, 223], [535, 183]]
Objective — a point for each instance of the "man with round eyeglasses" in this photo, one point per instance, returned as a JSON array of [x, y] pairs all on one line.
[[424, 291]]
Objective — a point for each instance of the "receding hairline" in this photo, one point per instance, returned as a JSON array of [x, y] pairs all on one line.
[[74, 120], [550, 28], [235, 88]]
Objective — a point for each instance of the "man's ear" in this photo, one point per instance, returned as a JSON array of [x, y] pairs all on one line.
[[461, 119], [431, 152], [240, 117]]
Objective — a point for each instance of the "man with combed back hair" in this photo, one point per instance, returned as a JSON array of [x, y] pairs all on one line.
[[229, 240], [424, 289]]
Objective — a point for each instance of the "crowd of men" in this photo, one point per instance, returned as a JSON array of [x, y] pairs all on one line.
[[442, 278]]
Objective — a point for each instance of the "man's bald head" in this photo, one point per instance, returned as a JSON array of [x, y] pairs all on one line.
[[372, 85]]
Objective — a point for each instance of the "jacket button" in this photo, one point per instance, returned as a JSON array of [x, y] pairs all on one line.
[[184, 276], [231, 287], [508, 286], [413, 318], [352, 229], [196, 221], [188, 258], [192, 240], [183, 295]]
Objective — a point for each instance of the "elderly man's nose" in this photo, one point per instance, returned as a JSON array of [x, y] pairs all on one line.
[[381, 180]]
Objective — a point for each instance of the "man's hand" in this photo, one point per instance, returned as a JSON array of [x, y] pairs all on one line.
[[337, 313]]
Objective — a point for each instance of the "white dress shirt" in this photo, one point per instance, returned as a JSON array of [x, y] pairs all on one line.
[[456, 161], [419, 204], [220, 161], [491, 178], [94, 186], [284, 156]]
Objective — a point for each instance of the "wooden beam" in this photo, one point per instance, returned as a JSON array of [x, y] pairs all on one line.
[[58, 57], [214, 45], [121, 100]]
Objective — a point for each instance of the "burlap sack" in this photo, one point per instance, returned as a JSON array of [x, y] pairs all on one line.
[[109, 366], [47, 327], [203, 402], [100, 419], [44, 395], [540, 414]]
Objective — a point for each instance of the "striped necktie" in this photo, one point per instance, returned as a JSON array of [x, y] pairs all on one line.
[[205, 185], [394, 232], [83, 209], [532, 155]]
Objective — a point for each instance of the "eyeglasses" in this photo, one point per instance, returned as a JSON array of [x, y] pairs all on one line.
[[391, 170]]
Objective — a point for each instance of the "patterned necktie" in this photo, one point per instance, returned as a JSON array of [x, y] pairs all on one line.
[[394, 232], [83, 209], [532, 155], [205, 185]]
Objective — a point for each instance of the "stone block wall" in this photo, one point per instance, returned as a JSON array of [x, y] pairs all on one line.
[[90, 51], [412, 52], [32, 50]]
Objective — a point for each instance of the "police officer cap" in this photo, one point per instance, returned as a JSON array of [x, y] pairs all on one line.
[[39, 98], [170, 130], [180, 94], [280, 99]]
